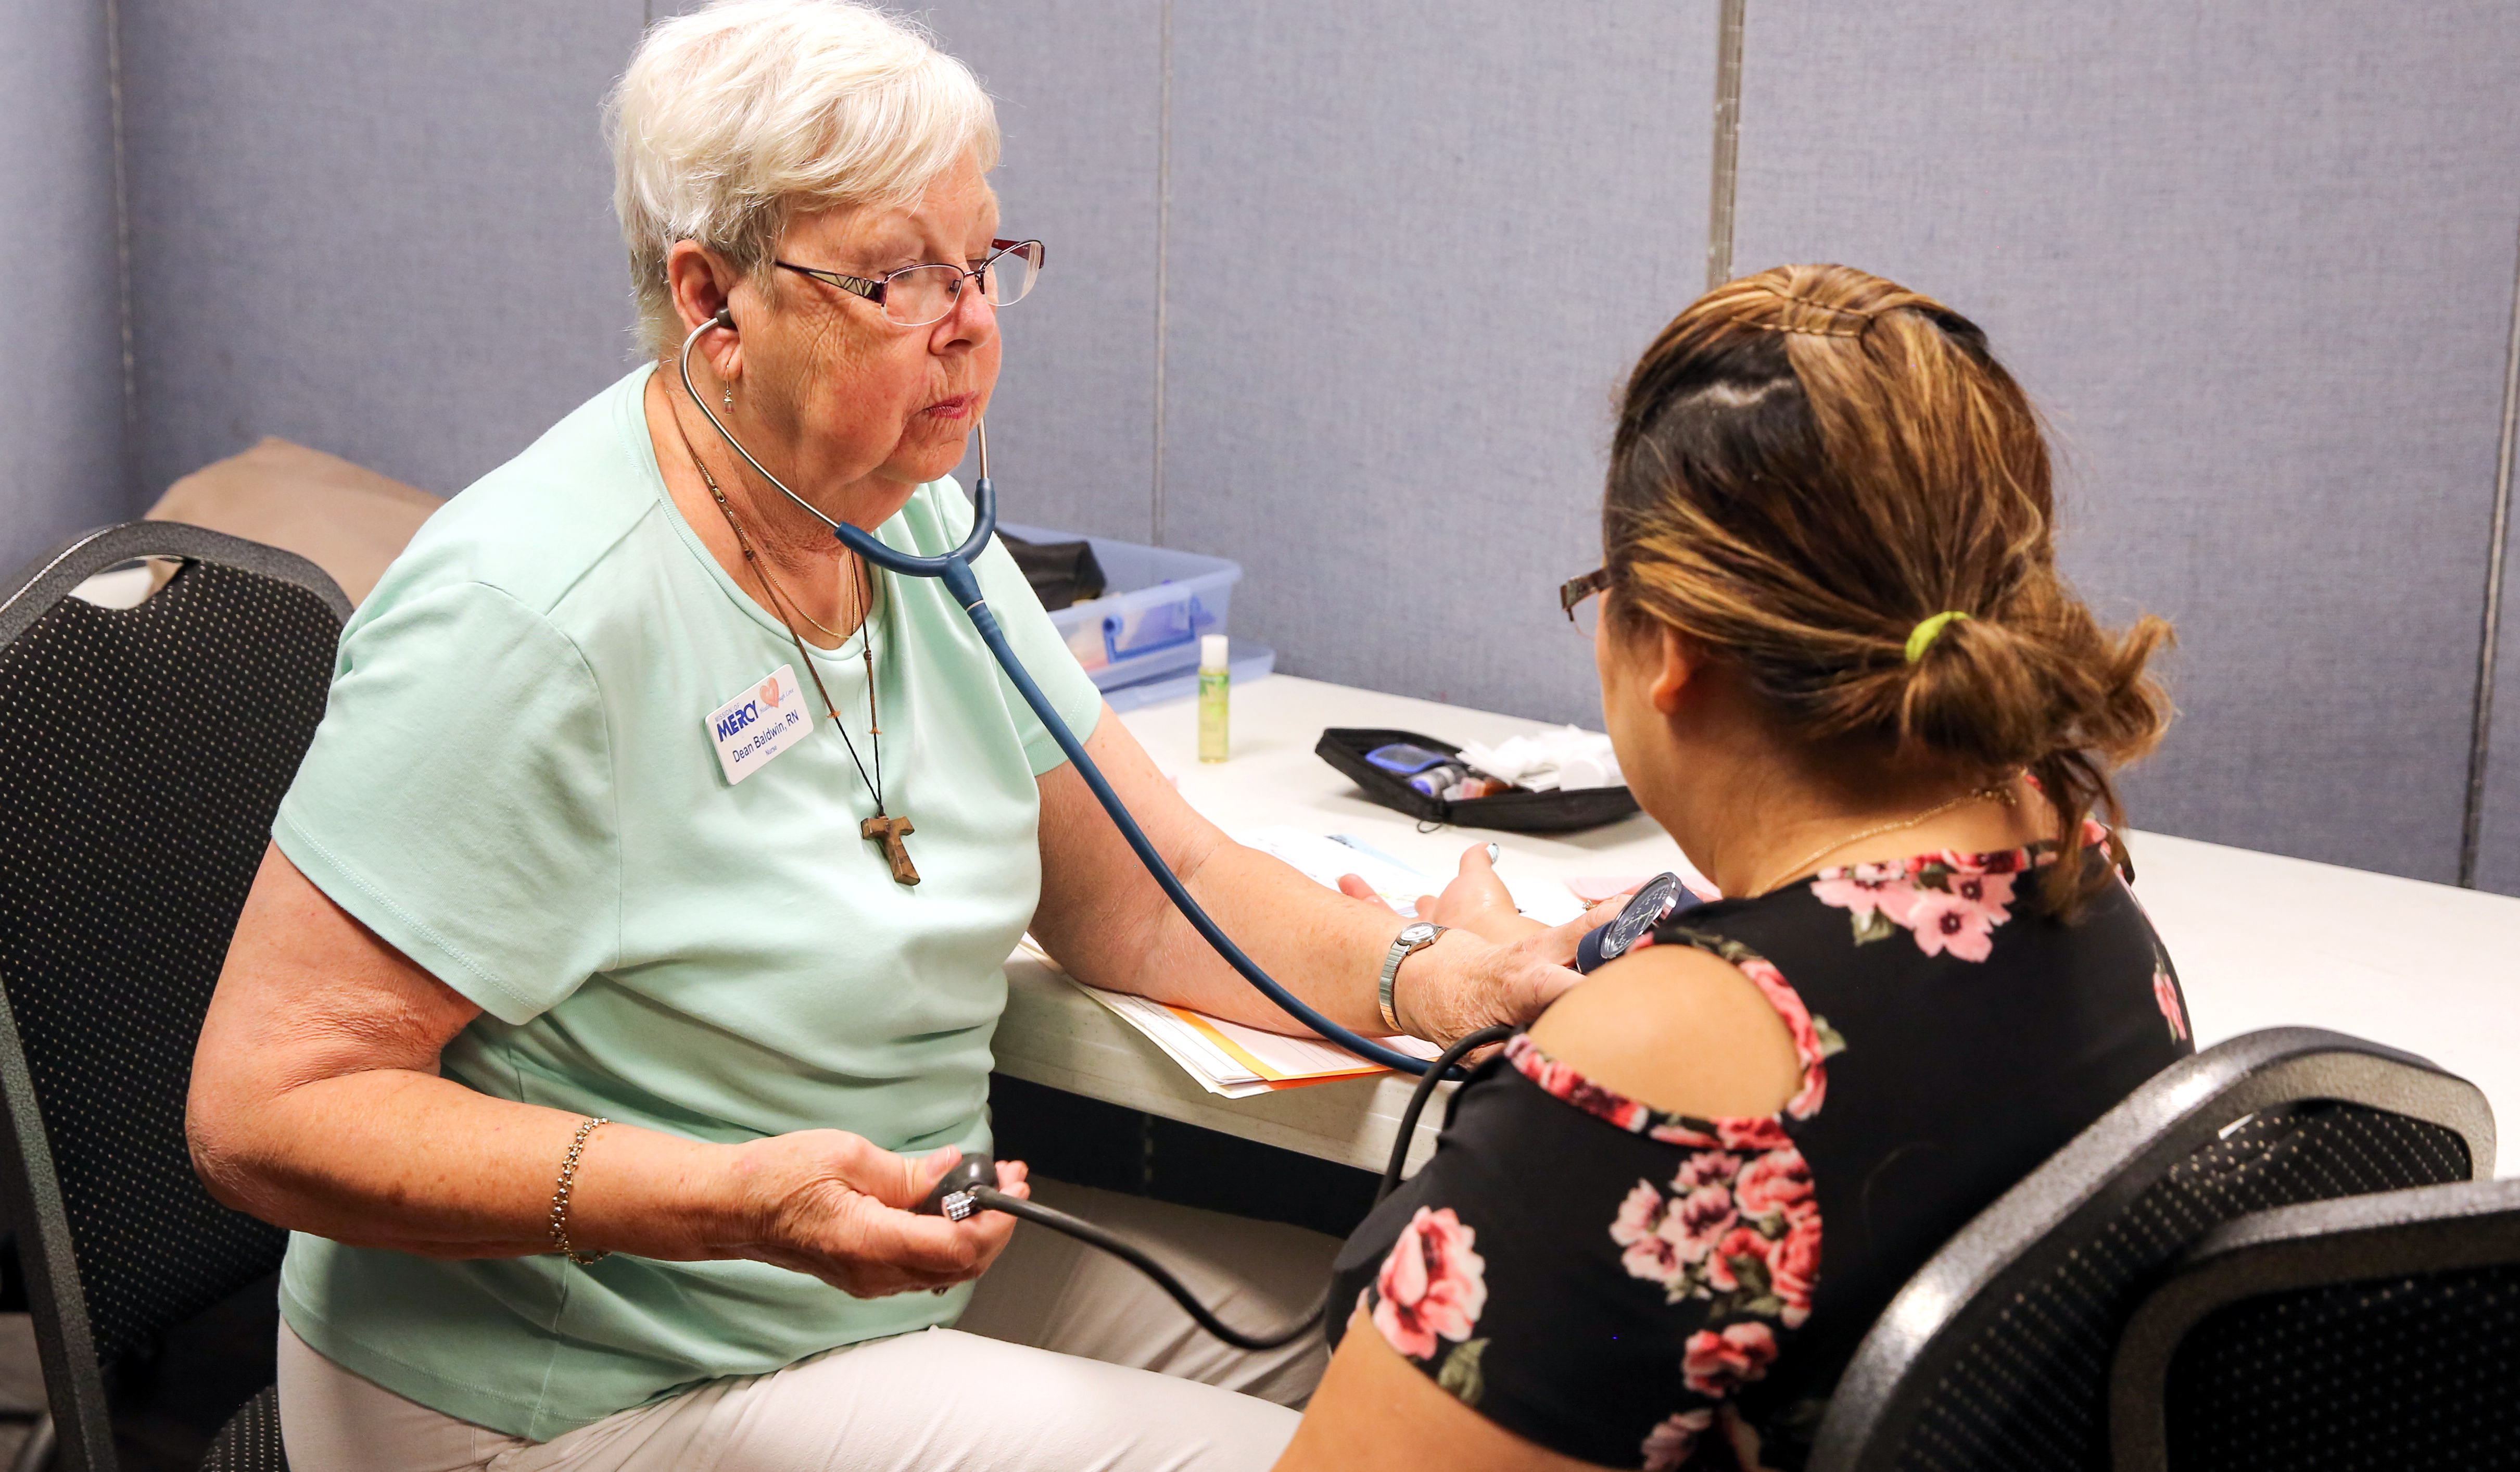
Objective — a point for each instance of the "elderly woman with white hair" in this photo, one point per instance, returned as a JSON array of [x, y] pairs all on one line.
[[624, 965]]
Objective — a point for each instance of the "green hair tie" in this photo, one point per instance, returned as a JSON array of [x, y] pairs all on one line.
[[1922, 636]]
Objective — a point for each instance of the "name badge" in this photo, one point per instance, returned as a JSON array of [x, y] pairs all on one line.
[[759, 724]]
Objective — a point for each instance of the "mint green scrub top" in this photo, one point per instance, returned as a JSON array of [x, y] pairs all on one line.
[[514, 784]]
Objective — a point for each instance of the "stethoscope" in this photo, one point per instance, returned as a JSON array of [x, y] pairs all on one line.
[[967, 1187], [954, 570]]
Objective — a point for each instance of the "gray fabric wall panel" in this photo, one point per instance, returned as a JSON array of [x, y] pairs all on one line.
[[2255, 260], [61, 436], [2498, 854], [384, 230], [1413, 254], [1079, 87]]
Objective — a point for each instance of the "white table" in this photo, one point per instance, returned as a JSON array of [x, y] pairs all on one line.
[[2259, 940]]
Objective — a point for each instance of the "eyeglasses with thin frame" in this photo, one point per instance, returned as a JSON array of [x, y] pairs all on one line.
[[917, 295], [1581, 599]]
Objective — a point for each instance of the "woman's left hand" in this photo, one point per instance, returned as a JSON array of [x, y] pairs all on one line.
[[1463, 983]]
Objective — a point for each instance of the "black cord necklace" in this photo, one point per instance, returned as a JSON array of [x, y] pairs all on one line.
[[882, 828]]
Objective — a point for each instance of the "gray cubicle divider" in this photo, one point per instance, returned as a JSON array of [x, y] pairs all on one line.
[[1306, 306]]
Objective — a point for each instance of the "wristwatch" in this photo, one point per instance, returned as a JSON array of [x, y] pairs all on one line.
[[1415, 938]]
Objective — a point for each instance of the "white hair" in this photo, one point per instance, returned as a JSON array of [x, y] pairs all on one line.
[[737, 116]]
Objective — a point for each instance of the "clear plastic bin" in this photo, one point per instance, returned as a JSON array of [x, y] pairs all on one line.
[[1160, 601], [1246, 662]]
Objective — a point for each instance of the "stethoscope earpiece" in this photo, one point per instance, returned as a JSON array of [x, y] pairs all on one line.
[[725, 319]]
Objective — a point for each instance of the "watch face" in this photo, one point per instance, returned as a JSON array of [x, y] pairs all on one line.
[[1418, 934]]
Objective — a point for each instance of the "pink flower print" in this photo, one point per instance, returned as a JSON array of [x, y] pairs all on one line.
[[1946, 922], [1617, 1109], [1815, 1093], [1863, 888], [1565, 1085], [1669, 1443], [1432, 1284], [1744, 1437], [1722, 1273], [1793, 1268], [1705, 1168], [1753, 1133], [1698, 1220], [1687, 1136], [1716, 1364], [1991, 891], [1649, 1255], [1808, 1047], [1788, 1002], [2164, 995], [1778, 1183]]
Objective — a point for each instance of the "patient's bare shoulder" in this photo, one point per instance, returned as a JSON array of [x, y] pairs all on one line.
[[1676, 1029]]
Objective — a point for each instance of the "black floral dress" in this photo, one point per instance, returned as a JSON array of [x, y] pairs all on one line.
[[1641, 1289]]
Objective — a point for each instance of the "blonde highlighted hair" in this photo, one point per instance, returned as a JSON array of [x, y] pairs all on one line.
[[1812, 462], [737, 116]]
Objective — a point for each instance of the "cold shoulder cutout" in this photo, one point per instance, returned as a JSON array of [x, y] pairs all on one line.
[[1678, 1030]]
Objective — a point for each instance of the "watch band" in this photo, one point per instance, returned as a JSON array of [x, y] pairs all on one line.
[[1413, 938]]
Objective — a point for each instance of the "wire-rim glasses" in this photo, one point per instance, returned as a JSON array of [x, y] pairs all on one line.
[[921, 295], [1581, 599]]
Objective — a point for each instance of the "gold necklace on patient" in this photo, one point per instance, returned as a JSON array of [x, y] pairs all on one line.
[[1800, 866], [882, 828]]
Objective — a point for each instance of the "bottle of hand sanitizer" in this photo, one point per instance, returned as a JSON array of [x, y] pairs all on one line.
[[1213, 680]]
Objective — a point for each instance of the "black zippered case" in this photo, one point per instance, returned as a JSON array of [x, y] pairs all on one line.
[[1344, 748]]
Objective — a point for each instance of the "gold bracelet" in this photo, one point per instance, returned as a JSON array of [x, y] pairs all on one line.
[[560, 1197]]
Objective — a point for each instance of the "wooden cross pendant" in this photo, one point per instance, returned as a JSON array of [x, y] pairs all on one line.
[[891, 832]]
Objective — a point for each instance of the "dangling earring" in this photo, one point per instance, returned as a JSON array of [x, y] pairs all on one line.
[[730, 395]]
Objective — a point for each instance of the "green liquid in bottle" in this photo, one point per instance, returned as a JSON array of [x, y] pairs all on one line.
[[1212, 708]]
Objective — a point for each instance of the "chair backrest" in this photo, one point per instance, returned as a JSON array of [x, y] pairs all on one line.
[[2376, 1332], [143, 753], [1996, 1355]]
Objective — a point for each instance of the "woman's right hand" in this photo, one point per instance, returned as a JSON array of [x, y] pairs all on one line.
[[1476, 900], [830, 1204]]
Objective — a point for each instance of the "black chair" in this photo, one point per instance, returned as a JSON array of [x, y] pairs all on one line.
[[143, 753], [2376, 1332], [1997, 1354]]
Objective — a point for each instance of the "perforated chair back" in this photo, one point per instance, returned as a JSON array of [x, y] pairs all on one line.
[[143, 753], [2362, 1335], [1996, 1355]]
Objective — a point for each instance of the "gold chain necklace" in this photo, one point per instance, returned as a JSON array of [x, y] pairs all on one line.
[[1802, 866], [883, 828], [865, 592]]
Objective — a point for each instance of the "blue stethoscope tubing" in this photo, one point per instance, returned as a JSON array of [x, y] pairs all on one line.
[[954, 570]]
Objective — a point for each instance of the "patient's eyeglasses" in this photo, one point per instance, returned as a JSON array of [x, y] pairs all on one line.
[[1581, 598], [917, 295]]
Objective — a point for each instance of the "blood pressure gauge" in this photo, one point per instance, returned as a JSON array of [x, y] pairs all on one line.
[[1661, 898]]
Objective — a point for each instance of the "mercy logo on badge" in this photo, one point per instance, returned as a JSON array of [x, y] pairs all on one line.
[[758, 724]]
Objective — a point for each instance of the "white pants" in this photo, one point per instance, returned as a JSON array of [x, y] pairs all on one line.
[[1068, 1359]]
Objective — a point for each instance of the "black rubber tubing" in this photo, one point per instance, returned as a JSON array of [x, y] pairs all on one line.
[[991, 1199]]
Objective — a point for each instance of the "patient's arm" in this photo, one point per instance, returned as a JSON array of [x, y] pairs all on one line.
[[1110, 926], [1669, 1025], [1376, 1411]]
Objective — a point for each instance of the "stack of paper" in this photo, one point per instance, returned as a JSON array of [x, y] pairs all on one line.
[[1237, 1061]]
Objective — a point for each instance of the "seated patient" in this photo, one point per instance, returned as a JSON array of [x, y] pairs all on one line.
[[1840, 669]]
